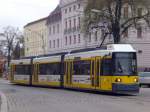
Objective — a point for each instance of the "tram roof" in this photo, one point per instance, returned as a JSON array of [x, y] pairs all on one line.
[[98, 52], [120, 48], [47, 59], [21, 61], [88, 52]]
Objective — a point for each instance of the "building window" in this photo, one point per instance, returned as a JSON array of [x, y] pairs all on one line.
[[53, 29], [66, 24], [74, 7], [66, 40], [54, 43], [27, 39], [102, 34], [50, 44], [139, 11], [65, 11], [74, 22], [75, 39], [57, 28], [126, 12], [50, 31], [70, 24], [70, 9], [58, 43], [79, 38], [79, 22], [70, 40], [139, 32], [126, 33], [90, 37], [79, 5], [96, 38]]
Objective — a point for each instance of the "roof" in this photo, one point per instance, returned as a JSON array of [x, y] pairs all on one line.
[[55, 16], [36, 21]]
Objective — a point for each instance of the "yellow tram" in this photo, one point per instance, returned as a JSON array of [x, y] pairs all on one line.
[[111, 70]]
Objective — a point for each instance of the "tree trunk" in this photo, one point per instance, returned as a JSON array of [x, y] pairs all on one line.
[[116, 33], [9, 57]]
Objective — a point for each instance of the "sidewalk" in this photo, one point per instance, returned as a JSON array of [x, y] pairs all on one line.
[[3, 99], [4, 81], [3, 103]]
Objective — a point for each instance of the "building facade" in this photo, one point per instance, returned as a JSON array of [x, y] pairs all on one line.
[[74, 38], [3, 43], [71, 37], [63, 28], [35, 38], [54, 26], [141, 44]]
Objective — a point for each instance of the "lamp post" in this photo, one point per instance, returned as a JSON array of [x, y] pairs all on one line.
[[42, 37], [21, 46]]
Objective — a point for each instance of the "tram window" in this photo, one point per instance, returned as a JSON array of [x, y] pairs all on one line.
[[125, 64], [106, 67], [49, 69], [81, 67], [22, 69]]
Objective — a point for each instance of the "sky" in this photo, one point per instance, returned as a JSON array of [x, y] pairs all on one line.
[[18, 13]]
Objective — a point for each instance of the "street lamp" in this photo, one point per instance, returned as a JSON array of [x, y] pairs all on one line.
[[42, 37]]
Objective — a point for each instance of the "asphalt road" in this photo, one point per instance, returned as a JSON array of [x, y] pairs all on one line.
[[33, 99]]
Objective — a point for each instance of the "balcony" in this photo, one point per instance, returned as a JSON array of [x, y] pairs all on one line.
[[72, 30]]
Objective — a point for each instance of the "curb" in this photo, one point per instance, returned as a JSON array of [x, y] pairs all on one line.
[[3, 107]]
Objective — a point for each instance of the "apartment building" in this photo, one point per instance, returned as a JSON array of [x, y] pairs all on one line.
[[54, 26], [3, 43], [35, 37], [74, 38], [139, 39], [62, 31]]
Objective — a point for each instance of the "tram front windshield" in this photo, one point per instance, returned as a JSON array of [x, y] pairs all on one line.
[[125, 63]]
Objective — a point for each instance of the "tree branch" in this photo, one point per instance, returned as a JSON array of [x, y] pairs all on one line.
[[126, 28], [106, 34], [133, 19]]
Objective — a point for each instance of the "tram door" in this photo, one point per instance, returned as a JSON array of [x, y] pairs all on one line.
[[35, 73], [95, 72], [69, 69], [92, 73], [106, 79]]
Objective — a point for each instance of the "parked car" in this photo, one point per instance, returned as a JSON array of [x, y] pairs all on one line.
[[144, 78]]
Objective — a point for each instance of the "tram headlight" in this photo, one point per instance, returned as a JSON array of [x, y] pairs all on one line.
[[118, 80], [135, 80]]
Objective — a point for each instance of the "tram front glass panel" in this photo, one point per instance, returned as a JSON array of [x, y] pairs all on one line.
[[124, 64]]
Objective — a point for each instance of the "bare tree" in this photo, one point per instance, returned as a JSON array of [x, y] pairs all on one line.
[[18, 51], [115, 17], [11, 35]]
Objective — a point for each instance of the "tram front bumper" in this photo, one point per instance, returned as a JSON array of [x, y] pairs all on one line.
[[125, 88]]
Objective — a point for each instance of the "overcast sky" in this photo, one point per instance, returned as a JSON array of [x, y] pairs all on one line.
[[18, 13]]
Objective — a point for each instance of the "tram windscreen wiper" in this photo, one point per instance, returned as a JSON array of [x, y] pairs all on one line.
[[120, 70]]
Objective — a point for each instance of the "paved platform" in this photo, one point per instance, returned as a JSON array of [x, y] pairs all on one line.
[[34, 99]]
